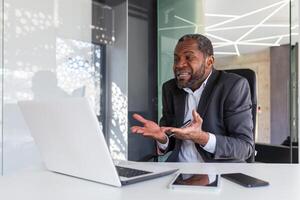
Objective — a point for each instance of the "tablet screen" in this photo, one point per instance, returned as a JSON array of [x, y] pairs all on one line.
[[210, 180]]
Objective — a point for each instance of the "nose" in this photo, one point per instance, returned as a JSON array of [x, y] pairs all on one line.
[[182, 62]]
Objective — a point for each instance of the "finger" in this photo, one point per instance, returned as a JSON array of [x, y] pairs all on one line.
[[137, 129], [164, 128], [139, 118], [176, 130], [179, 134], [196, 117], [134, 129], [148, 134]]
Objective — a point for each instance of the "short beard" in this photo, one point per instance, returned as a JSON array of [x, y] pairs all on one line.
[[188, 84], [196, 79]]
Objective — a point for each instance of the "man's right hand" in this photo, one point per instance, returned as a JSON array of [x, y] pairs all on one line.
[[150, 129]]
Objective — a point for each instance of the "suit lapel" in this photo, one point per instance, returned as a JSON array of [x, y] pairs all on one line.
[[207, 92], [179, 105]]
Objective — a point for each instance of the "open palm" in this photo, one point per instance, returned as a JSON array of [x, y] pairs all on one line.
[[149, 129], [190, 131]]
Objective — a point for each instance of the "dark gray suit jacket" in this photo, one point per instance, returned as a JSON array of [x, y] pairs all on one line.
[[225, 106]]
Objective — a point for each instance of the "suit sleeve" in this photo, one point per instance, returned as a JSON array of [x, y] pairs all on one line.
[[167, 118], [237, 142]]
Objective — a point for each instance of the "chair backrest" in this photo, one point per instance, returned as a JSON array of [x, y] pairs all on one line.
[[251, 77]]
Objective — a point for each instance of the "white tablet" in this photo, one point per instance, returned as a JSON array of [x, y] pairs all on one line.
[[195, 182]]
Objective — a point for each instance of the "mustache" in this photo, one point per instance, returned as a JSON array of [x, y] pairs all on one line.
[[179, 72], [182, 73]]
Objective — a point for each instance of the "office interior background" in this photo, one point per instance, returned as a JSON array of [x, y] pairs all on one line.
[[117, 53]]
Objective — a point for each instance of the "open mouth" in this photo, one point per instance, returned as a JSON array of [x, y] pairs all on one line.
[[183, 74]]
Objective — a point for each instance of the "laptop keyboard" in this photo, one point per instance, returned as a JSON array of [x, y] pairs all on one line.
[[129, 172]]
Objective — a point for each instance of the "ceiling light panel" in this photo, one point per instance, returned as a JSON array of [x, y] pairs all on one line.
[[254, 25]]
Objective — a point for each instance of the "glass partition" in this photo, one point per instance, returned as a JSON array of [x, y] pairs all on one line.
[[62, 49], [253, 35], [294, 86], [1, 89], [173, 22]]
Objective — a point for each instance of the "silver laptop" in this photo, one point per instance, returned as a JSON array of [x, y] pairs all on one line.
[[70, 141]]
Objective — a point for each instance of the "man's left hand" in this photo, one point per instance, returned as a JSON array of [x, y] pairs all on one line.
[[193, 132]]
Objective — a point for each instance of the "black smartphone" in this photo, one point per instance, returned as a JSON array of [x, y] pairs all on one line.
[[245, 180], [184, 125]]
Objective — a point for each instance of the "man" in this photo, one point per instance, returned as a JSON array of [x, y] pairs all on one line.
[[217, 103]]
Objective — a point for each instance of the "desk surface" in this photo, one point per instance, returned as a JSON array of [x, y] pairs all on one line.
[[36, 185]]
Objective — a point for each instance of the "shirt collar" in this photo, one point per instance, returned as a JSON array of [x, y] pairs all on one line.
[[188, 90]]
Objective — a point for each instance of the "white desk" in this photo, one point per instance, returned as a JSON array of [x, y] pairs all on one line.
[[43, 185]]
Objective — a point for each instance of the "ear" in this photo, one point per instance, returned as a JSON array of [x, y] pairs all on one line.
[[210, 60]]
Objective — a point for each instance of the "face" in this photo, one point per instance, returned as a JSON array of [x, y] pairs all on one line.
[[190, 67]]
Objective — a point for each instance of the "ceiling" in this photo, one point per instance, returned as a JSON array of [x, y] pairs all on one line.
[[237, 27]]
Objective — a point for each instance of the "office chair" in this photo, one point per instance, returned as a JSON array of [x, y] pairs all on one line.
[[251, 78]]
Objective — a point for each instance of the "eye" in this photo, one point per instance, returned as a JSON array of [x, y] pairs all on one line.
[[189, 57]]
